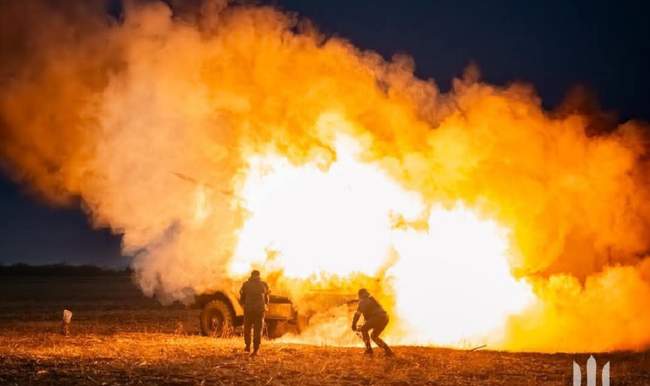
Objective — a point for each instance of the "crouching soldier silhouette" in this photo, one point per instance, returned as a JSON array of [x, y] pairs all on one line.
[[376, 320], [254, 296]]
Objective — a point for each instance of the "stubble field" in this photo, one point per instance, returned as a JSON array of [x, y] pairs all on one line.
[[120, 337]]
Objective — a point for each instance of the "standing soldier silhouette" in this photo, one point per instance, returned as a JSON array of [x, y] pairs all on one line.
[[254, 296], [376, 320]]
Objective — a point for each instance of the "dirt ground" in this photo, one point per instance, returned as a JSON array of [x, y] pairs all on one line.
[[119, 337]]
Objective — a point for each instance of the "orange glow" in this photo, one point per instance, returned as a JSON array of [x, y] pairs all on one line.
[[335, 221], [236, 136], [451, 283]]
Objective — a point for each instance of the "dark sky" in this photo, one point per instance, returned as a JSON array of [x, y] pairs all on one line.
[[553, 45]]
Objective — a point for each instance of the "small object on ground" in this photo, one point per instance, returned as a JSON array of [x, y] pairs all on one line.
[[180, 330], [65, 323], [479, 347]]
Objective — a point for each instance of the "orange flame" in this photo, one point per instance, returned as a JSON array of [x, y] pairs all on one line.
[[228, 137], [451, 284]]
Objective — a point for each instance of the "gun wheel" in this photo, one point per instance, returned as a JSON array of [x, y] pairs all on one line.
[[217, 319]]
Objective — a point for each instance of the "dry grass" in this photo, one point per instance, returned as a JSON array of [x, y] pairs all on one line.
[[167, 359], [132, 341]]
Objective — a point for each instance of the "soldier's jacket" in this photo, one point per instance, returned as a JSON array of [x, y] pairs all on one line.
[[254, 295], [370, 308]]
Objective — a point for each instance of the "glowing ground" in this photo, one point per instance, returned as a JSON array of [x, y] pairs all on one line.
[[119, 337], [155, 358]]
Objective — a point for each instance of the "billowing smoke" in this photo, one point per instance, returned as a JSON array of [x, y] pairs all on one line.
[[155, 121]]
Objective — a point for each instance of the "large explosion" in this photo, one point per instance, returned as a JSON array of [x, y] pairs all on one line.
[[223, 138]]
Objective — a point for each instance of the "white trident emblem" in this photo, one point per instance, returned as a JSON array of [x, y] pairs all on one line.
[[591, 373]]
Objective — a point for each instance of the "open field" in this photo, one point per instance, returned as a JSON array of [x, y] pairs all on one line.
[[120, 337]]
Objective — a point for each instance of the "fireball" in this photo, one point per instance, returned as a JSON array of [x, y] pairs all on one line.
[[451, 282], [478, 215]]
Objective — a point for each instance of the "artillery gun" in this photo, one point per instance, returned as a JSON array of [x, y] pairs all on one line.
[[222, 313]]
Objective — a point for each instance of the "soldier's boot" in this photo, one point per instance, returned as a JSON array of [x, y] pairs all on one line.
[[380, 342], [247, 341], [368, 347]]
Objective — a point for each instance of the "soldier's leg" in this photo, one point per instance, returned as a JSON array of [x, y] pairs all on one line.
[[248, 324], [366, 338], [257, 330], [379, 326]]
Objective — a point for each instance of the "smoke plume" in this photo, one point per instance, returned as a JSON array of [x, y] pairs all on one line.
[[154, 121]]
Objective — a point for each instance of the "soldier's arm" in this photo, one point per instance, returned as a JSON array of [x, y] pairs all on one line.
[[357, 315], [242, 294], [363, 304], [355, 320], [266, 293]]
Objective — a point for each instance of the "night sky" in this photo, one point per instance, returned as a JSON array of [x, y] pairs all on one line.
[[554, 45]]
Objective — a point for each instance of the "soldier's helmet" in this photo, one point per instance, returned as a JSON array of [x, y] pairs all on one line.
[[255, 273], [363, 293]]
